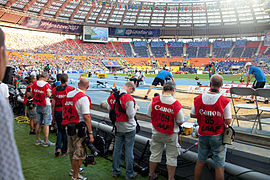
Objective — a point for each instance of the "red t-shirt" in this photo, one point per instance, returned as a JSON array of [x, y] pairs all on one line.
[[40, 91]]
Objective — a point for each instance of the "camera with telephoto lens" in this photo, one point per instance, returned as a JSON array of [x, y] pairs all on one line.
[[90, 146]]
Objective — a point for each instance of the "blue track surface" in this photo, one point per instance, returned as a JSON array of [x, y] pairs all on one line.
[[97, 95]]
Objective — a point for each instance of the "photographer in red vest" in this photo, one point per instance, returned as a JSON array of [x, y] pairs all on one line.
[[77, 118], [41, 97], [28, 100], [166, 115], [59, 93], [125, 130], [213, 112]]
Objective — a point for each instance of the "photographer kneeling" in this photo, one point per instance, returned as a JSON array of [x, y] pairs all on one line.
[[76, 116]]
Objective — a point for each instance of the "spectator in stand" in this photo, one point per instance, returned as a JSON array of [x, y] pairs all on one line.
[[4, 90], [125, 130], [58, 81], [260, 78], [160, 78], [28, 100], [165, 133], [59, 93], [77, 112], [211, 126], [41, 98], [10, 165]]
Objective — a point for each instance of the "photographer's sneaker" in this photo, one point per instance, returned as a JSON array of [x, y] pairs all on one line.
[[80, 177], [39, 142], [49, 143], [80, 171]]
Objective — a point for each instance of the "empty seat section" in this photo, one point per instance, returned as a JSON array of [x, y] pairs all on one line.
[[192, 52], [249, 52], [140, 48], [158, 49], [237, 52], [203, 52], [221, 52], [175, 49], [127, 48]]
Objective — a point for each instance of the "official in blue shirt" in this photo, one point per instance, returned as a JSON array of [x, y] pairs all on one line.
[[260, 78], [160, 78]]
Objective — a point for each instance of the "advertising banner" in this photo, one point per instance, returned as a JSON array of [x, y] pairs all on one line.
[[111, 63], [47, 25], [134, 32]]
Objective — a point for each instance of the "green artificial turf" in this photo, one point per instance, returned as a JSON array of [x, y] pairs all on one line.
[[39, 163]]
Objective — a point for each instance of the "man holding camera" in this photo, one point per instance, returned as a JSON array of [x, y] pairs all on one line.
[[41, 97], [77, 118], [212, 111], [125, 130], [166, 115]]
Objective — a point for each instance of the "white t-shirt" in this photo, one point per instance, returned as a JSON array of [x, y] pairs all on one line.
[[41, 84], [4, 90], [82, 105], [168, 99], [210, 99]]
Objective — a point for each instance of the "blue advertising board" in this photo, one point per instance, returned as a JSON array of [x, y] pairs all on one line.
[[134, 32]]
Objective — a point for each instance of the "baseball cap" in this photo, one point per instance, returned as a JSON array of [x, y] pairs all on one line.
[[248, 64]]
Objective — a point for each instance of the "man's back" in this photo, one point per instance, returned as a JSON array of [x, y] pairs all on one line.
[[10, 166], [163, 74], [259, 74]]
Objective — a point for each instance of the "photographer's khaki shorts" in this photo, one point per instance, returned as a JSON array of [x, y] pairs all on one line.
[[158, 142], [75, 147]]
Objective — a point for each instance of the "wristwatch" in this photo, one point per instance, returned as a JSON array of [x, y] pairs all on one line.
[[91, 132]]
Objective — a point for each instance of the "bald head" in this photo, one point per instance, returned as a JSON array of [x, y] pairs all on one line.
[[216, 81], [83, 84]]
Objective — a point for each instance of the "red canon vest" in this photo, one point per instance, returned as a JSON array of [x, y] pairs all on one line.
[[25, 97], [120, 116], [70, 112], [163, 115], [210, 117], [39, 97], [58, 96]]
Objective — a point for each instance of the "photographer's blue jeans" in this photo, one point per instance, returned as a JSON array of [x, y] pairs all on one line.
[[61, 133], [126, 140]]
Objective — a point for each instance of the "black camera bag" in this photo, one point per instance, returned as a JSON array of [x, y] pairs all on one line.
[[71, 129]]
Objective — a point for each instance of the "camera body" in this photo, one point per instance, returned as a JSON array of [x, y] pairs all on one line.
[[30, 104], [90, 146], [89, 160]]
